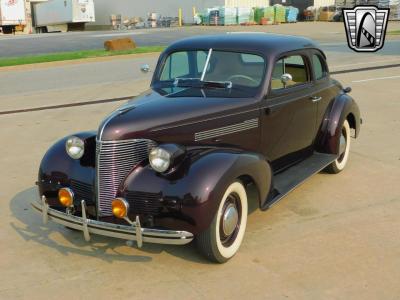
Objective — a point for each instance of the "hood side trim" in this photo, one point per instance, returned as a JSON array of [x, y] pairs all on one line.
[[221, 131]]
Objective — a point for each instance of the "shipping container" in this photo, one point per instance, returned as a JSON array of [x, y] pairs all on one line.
[[64, 12], [247, 3], [323, 3], [12, 12]]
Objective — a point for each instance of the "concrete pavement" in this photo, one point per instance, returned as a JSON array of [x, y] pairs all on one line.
[[335, 237], [325, 32]]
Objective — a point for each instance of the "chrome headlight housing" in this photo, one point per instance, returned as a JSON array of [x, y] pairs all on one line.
[[75, 147], [165, 157]]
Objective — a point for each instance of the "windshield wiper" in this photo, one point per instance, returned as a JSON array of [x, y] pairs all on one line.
[[198, 83]]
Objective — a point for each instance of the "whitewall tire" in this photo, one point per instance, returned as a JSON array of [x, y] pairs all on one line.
[[223, 238], [344, 141]]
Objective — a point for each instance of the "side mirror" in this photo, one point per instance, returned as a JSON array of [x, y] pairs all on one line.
[[145, 68], [285, 78], [347, 90]]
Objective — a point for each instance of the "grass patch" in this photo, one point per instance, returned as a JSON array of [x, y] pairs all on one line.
[[62, 56], [394, 32]]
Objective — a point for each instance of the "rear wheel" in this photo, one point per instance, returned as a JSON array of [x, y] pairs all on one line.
[[223, 238], [344, 150]]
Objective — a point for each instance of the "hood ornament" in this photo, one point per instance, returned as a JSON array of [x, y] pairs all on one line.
[[125, 109]]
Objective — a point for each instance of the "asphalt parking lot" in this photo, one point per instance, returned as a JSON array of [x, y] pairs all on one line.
[[327, 33], [335, 237]]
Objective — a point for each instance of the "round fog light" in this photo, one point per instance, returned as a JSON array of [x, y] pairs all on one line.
[[120, 208], [66, 197]]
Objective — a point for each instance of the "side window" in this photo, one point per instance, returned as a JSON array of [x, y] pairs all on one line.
[[319, 67], [294, 65], [176, 65]]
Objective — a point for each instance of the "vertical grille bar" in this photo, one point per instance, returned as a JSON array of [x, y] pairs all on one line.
[[114, 161]]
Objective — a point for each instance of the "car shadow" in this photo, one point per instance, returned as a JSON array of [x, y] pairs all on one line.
[[31, 229]]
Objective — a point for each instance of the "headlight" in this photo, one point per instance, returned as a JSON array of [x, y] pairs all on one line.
[[160, 159], [166, 157], [75, 147]]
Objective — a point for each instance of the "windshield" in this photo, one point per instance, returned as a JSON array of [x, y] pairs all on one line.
[[240, 73]]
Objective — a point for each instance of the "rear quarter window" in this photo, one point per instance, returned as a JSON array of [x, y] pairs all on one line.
[[319, 65]]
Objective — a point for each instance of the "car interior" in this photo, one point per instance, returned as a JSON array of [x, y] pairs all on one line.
[[240, 68], [293, 65]]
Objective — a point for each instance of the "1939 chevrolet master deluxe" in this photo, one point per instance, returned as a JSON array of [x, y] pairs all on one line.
[[174, 164]]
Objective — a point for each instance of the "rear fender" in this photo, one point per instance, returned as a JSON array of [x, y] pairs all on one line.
[[341, 108]]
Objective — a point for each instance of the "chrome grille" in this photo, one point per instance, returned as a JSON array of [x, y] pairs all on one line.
[[82, 191], [115, 159], [144, 203]]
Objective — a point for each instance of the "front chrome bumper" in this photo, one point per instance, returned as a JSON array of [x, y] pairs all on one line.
[[133, 232]]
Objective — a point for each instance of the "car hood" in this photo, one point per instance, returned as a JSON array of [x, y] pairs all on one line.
[[155, 111]]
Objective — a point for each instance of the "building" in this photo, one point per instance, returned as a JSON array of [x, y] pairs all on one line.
[[166, 8]]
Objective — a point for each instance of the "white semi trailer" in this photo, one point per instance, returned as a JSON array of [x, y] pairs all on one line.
[[63, 15], [12, 13]]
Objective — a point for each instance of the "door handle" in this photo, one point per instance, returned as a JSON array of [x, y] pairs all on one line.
[[271, 109], [315, 99]]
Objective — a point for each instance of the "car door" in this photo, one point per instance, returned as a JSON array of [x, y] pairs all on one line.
[[289, 118], [324, 91]]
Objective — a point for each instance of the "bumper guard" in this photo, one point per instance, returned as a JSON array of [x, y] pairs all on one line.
[[134, 232]]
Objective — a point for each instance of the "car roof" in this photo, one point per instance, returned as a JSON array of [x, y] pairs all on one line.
[[266, 43]]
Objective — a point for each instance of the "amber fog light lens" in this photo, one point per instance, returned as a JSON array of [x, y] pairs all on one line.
[[120, 208], [66, 197]]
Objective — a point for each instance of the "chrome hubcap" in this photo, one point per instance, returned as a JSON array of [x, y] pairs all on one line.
[[342, 145], [230, 219]]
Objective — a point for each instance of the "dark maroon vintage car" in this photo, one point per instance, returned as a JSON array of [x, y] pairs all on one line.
[[224, 113]]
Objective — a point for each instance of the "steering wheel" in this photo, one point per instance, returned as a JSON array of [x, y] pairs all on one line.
[[239, 76]]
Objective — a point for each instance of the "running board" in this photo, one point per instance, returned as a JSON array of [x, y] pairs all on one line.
[[285, 182]]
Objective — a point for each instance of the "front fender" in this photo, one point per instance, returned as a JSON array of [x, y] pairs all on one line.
[[57, 168], [342, 107], [199, 184]]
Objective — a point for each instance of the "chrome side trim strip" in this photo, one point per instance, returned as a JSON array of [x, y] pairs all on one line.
[[131, 233], [246, 125]]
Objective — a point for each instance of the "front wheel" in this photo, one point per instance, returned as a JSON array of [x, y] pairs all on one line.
[[344, 150], [222, 239]]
